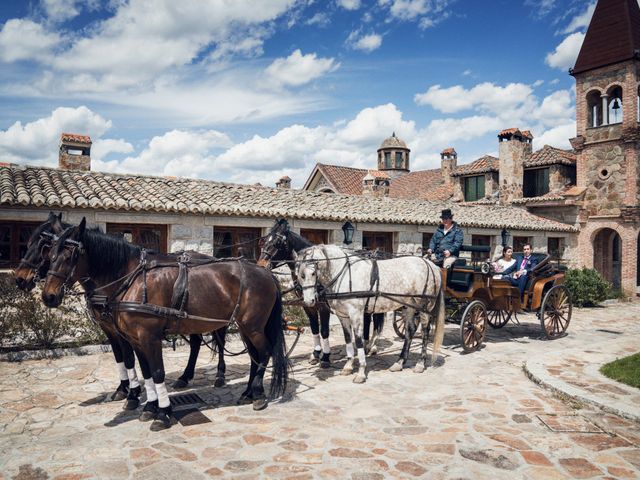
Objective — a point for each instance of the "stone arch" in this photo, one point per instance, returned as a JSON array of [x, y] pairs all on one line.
[[326, 190], [615, 101], [607, 254], [594, 108]]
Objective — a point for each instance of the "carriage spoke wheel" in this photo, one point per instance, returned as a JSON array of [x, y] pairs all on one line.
[[400, 326], [555, 312], [473, 326], [498, 318]]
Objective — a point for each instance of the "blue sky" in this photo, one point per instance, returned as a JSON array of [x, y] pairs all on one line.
[[250, 90]]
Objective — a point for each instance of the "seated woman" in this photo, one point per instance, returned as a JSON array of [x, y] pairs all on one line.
[[504, 263]]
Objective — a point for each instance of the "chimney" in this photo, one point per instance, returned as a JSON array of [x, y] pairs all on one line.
[[375, 184], [448, 163], [514, 147], [75, 152], [284, 183]]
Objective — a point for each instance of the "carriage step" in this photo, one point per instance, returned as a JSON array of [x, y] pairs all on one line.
[[185, 400]]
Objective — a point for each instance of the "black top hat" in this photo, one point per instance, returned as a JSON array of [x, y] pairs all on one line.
[[446, 213]]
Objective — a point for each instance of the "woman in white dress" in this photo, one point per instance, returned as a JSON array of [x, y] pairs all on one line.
[[504, 262]]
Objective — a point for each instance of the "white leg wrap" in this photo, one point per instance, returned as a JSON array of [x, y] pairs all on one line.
[[163, 395], [122, 371], [326, 346], [316, 341], [133, 378], [151, 390], [361, 357], [350, 350]]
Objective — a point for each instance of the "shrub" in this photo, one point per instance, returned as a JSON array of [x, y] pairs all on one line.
[[587, 287]]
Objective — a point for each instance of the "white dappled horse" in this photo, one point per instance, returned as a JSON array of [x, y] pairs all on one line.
[[353, 287]]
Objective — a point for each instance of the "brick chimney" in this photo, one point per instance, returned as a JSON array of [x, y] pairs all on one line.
[[284, 183], [375, 184], [448, 163], [75, 152], [514, 147]]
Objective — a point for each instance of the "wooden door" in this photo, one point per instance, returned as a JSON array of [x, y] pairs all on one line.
[[317, 237], [381, 241]]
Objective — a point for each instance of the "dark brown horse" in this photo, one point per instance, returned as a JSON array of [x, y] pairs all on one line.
[[141, 294], [35, 265]]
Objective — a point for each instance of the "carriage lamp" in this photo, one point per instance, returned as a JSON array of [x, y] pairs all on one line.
[[348, 230], [505, 237]]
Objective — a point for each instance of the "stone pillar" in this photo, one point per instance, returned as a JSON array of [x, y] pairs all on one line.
[[514, 147], [605, 109], [448, 163], [75, 152]]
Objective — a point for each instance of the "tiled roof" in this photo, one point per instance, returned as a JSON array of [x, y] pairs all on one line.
[[548, 155], [421, 184], [482, 165], [392, 142], [72, 137], [378, 174], [345, 180], [569, 193], [448, 151], [613, 35], [516, 132], [48, 188]]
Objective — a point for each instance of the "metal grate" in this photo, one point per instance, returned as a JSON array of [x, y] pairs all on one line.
[[185, 399]]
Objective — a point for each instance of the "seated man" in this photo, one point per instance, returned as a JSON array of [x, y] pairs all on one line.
[[446, 242], [521, 268]]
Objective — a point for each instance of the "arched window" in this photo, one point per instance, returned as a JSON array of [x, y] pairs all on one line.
[[594, 106], [615, 105]]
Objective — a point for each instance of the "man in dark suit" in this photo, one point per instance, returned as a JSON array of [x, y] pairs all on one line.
[[521, 269]]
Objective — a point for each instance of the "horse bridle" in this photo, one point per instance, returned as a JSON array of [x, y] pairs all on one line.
[[279, 243], [46, 240], [76, 250]]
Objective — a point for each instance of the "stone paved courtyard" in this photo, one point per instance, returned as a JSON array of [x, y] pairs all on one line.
[[477, 416]]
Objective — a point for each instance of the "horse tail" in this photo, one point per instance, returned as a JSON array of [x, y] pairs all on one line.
[[275, 335], [438, 336]]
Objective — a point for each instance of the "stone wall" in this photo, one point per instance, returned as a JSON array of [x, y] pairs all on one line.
[[491, 184], [558, 177], [604, 171], [512, 153]]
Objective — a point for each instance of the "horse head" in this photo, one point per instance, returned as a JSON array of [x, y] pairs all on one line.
[[308, 264], [35, 262], [65, 255], [276, 245]]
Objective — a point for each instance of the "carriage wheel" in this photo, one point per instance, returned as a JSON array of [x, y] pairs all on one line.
[[555, 312], [399, 325], [498, 318], [473, 326]]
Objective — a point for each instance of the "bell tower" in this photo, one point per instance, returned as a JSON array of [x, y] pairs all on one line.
[[393, 156]]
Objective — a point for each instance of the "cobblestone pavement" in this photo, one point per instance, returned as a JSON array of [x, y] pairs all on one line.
[[477, 416]]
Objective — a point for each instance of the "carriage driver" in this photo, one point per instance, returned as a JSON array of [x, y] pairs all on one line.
[[447, 240]]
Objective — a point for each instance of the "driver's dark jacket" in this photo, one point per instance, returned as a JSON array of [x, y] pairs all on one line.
[[452, 241]]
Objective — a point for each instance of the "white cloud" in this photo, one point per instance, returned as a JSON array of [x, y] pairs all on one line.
[[565, 54], [366, 43], [101, 148], [298, 69], [58, 10], [537, 83], [37, 142], [349, 4], [427, 12], [556, 137], [320, 19], [581, 21], [25, 40], [541, 7], [467, 72]]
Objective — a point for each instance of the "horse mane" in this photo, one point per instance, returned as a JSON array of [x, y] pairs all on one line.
[[298, 242]]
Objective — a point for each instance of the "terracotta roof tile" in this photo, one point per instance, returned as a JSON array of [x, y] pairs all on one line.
[[548, 155], [20, 186], [421, 184], [448, 151], [481, 165], [72, 137]]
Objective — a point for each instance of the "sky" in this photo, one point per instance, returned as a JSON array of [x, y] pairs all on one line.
[[247, 91]]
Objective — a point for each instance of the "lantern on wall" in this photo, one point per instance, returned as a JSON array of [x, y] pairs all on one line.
[[348, 230]]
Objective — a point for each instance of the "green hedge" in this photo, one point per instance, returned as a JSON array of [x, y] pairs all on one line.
[[587, 287], [26, 323]]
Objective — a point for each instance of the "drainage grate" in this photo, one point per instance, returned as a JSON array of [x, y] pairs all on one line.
[[185, 399], [614, 332], [569, 424]]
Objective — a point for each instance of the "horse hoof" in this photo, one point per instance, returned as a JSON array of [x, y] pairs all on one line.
[[244, 400], [360, 378], [314, 358], [131, 404], [419, 368], [374, 350], [180, 383], [346, 371], [161, 422], [396, 367], [325, 364], [260, 404], [219, 382], [149, 412]]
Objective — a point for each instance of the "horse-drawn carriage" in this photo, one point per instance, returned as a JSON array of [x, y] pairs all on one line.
[[474, 298]]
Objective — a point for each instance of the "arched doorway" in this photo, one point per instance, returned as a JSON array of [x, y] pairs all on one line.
[[607, 248]]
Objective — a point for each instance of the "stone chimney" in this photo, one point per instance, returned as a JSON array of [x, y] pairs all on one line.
[[284, 183], [514, 147], [448, 163], [375, 184], [75, 152]]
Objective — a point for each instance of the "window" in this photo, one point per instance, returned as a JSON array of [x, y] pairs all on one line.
[[398, 159], [473, 188], [426, 239], [236, 242], [317, 237], [382, 241], [480, 240], [13, 242], [536, 182], [519, 243], [554, 247], [594, 107], [150, 237], [615, 105], [387, 159]]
